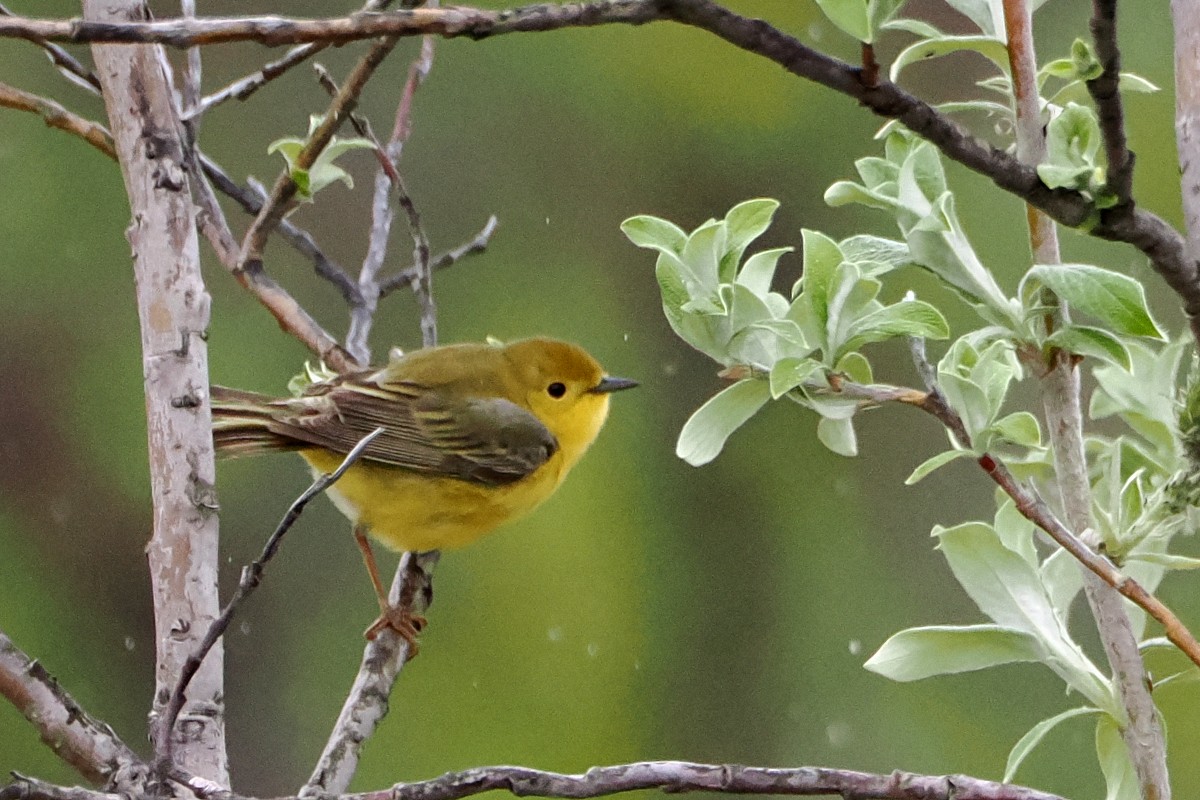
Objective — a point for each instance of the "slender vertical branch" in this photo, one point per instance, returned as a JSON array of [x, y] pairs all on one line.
[[1186, 16], [173, 307], [1141, 731], [1106, 93]]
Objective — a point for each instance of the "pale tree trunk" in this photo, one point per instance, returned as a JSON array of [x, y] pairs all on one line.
[[173, 306]]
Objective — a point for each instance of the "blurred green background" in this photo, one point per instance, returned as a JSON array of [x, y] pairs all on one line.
[[650, 610]]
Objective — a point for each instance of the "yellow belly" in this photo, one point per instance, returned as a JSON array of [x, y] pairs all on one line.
[[409, 511]]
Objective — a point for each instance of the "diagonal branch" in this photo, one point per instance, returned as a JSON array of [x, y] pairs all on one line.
[[1026, 500], [366, 703], [249, 267], [55, 116], [248, 85], [409, 275], [87, 744], [250, 580]]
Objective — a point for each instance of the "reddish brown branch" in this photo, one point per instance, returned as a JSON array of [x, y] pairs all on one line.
[[1031, 506]]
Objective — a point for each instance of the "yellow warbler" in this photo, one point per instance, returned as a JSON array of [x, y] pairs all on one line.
[[474, 435]]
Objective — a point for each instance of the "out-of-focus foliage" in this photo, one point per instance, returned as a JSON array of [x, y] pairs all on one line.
[[650, 609]]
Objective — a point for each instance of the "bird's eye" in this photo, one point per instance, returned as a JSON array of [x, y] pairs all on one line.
[[556, 390]]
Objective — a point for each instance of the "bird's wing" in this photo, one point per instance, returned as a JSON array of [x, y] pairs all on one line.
[[490, 441]]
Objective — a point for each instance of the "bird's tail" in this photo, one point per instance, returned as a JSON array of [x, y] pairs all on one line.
[[246, 424]]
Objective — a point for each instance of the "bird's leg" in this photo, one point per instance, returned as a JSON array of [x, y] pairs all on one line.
[[397, 617]]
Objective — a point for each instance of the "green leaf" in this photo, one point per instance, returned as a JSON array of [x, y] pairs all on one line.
[[1117, 300], [969, 400], [986, 14], [1084, 61], [1085, 340], [759, 269], [850, 16], [877, 250], [704, 434], [1060, 574], [844, 193], [788, 373], [855, 367], [989, 47], [654, 233], [1019, 428], [914, 26], [1072, 142], [906, 318], [930, 464], [919, 653], [1168, 560], [1119, 776], [1131, 82], [1007, 589], [701, 253], [748, 220], [1015, 532], [1030, 740], [838, 435]]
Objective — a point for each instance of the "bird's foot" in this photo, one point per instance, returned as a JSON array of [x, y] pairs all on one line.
[[403, 621]]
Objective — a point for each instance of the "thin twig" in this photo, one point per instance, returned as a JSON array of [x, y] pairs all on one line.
[[362, 315], [1106, 93], [242, 88], [67, 64], [89, 745], [250, 580], [55, 116], [251, 200], [192, 72], [250, 261], [409, 275]]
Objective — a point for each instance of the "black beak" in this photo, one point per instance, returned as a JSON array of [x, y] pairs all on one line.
[[609, 384]]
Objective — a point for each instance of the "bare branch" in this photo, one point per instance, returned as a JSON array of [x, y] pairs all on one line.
[[244, 87], [251, 200], [173, 309], [67, 64], [250, 263], [682, 776], [55, 116], [1187, 124], [275, 31], [408, 275], [24, 787], [89, 745], [250, 580], [1106, 93], [366, 703]]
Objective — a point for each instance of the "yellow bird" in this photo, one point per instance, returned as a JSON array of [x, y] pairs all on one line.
[[474, 435]]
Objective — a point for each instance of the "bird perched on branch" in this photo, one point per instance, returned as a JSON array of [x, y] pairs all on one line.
[[474, 435]]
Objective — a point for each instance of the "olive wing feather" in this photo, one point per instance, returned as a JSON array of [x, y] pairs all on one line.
[[486, 440]]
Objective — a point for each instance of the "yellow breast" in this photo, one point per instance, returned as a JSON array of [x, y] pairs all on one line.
[[409, 511]]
